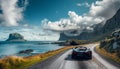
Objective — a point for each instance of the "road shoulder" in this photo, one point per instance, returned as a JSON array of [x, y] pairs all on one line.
[[109, 60]]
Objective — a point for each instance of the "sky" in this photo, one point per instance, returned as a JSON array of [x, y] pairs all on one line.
[[54, 9], [46, 19]]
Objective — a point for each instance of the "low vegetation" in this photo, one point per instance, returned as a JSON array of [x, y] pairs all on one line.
[[77, 41], [112, 43], [112, 56], [74, 42], [15, 62], [110, 47]]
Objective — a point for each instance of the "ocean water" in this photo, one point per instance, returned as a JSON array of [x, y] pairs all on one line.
[[13, 48]]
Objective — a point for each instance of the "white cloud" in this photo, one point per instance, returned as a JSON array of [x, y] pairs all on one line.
[[29, 33], [99, 11], [72, 26], [11, 12], [25, 25], [104, 8], [73, 23], [74, 17], [63, 24], [79, 4], [83, 4]]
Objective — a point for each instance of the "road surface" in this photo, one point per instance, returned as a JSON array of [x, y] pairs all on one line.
[[64, 61]]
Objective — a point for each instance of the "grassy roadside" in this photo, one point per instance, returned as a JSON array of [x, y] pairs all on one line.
[[108, 55], [14, 62]]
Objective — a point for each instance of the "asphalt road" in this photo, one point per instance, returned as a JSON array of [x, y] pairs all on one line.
[[64, 61]]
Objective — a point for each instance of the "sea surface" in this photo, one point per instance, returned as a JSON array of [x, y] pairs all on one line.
[[13, 48]]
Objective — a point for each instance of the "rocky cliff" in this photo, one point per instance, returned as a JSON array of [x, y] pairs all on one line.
[[112, 24], [112, 44], [100, 30], [15, 37]]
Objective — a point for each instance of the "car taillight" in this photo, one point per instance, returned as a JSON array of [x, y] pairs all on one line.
[[89, 53], [74, 52]]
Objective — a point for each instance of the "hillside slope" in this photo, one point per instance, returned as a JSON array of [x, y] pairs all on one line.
[[100, 30]]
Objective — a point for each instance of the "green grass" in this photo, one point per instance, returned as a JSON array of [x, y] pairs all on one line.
[[15, 62]]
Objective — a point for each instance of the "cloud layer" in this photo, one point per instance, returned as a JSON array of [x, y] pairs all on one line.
[[98, 13], [83, 4], [11, 12], [104, 8], [29, 33]]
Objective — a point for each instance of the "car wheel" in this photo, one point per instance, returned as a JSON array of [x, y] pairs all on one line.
[[73, 56], [90, 57]]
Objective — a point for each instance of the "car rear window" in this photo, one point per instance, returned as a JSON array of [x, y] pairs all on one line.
[[82, 49]]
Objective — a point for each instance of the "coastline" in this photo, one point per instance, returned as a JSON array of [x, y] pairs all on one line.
[[24, 62], [10, 48]]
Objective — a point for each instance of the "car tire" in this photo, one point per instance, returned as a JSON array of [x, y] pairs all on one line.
[[90, 57], [73, 56]]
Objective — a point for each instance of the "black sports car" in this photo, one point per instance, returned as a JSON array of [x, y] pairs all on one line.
[[81, 53]]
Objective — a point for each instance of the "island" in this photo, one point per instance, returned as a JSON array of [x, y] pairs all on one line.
[[15, 37]]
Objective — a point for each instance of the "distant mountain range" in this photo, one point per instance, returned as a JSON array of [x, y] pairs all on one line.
[[100, 30]]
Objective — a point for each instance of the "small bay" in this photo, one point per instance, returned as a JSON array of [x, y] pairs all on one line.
[[13, 48]]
